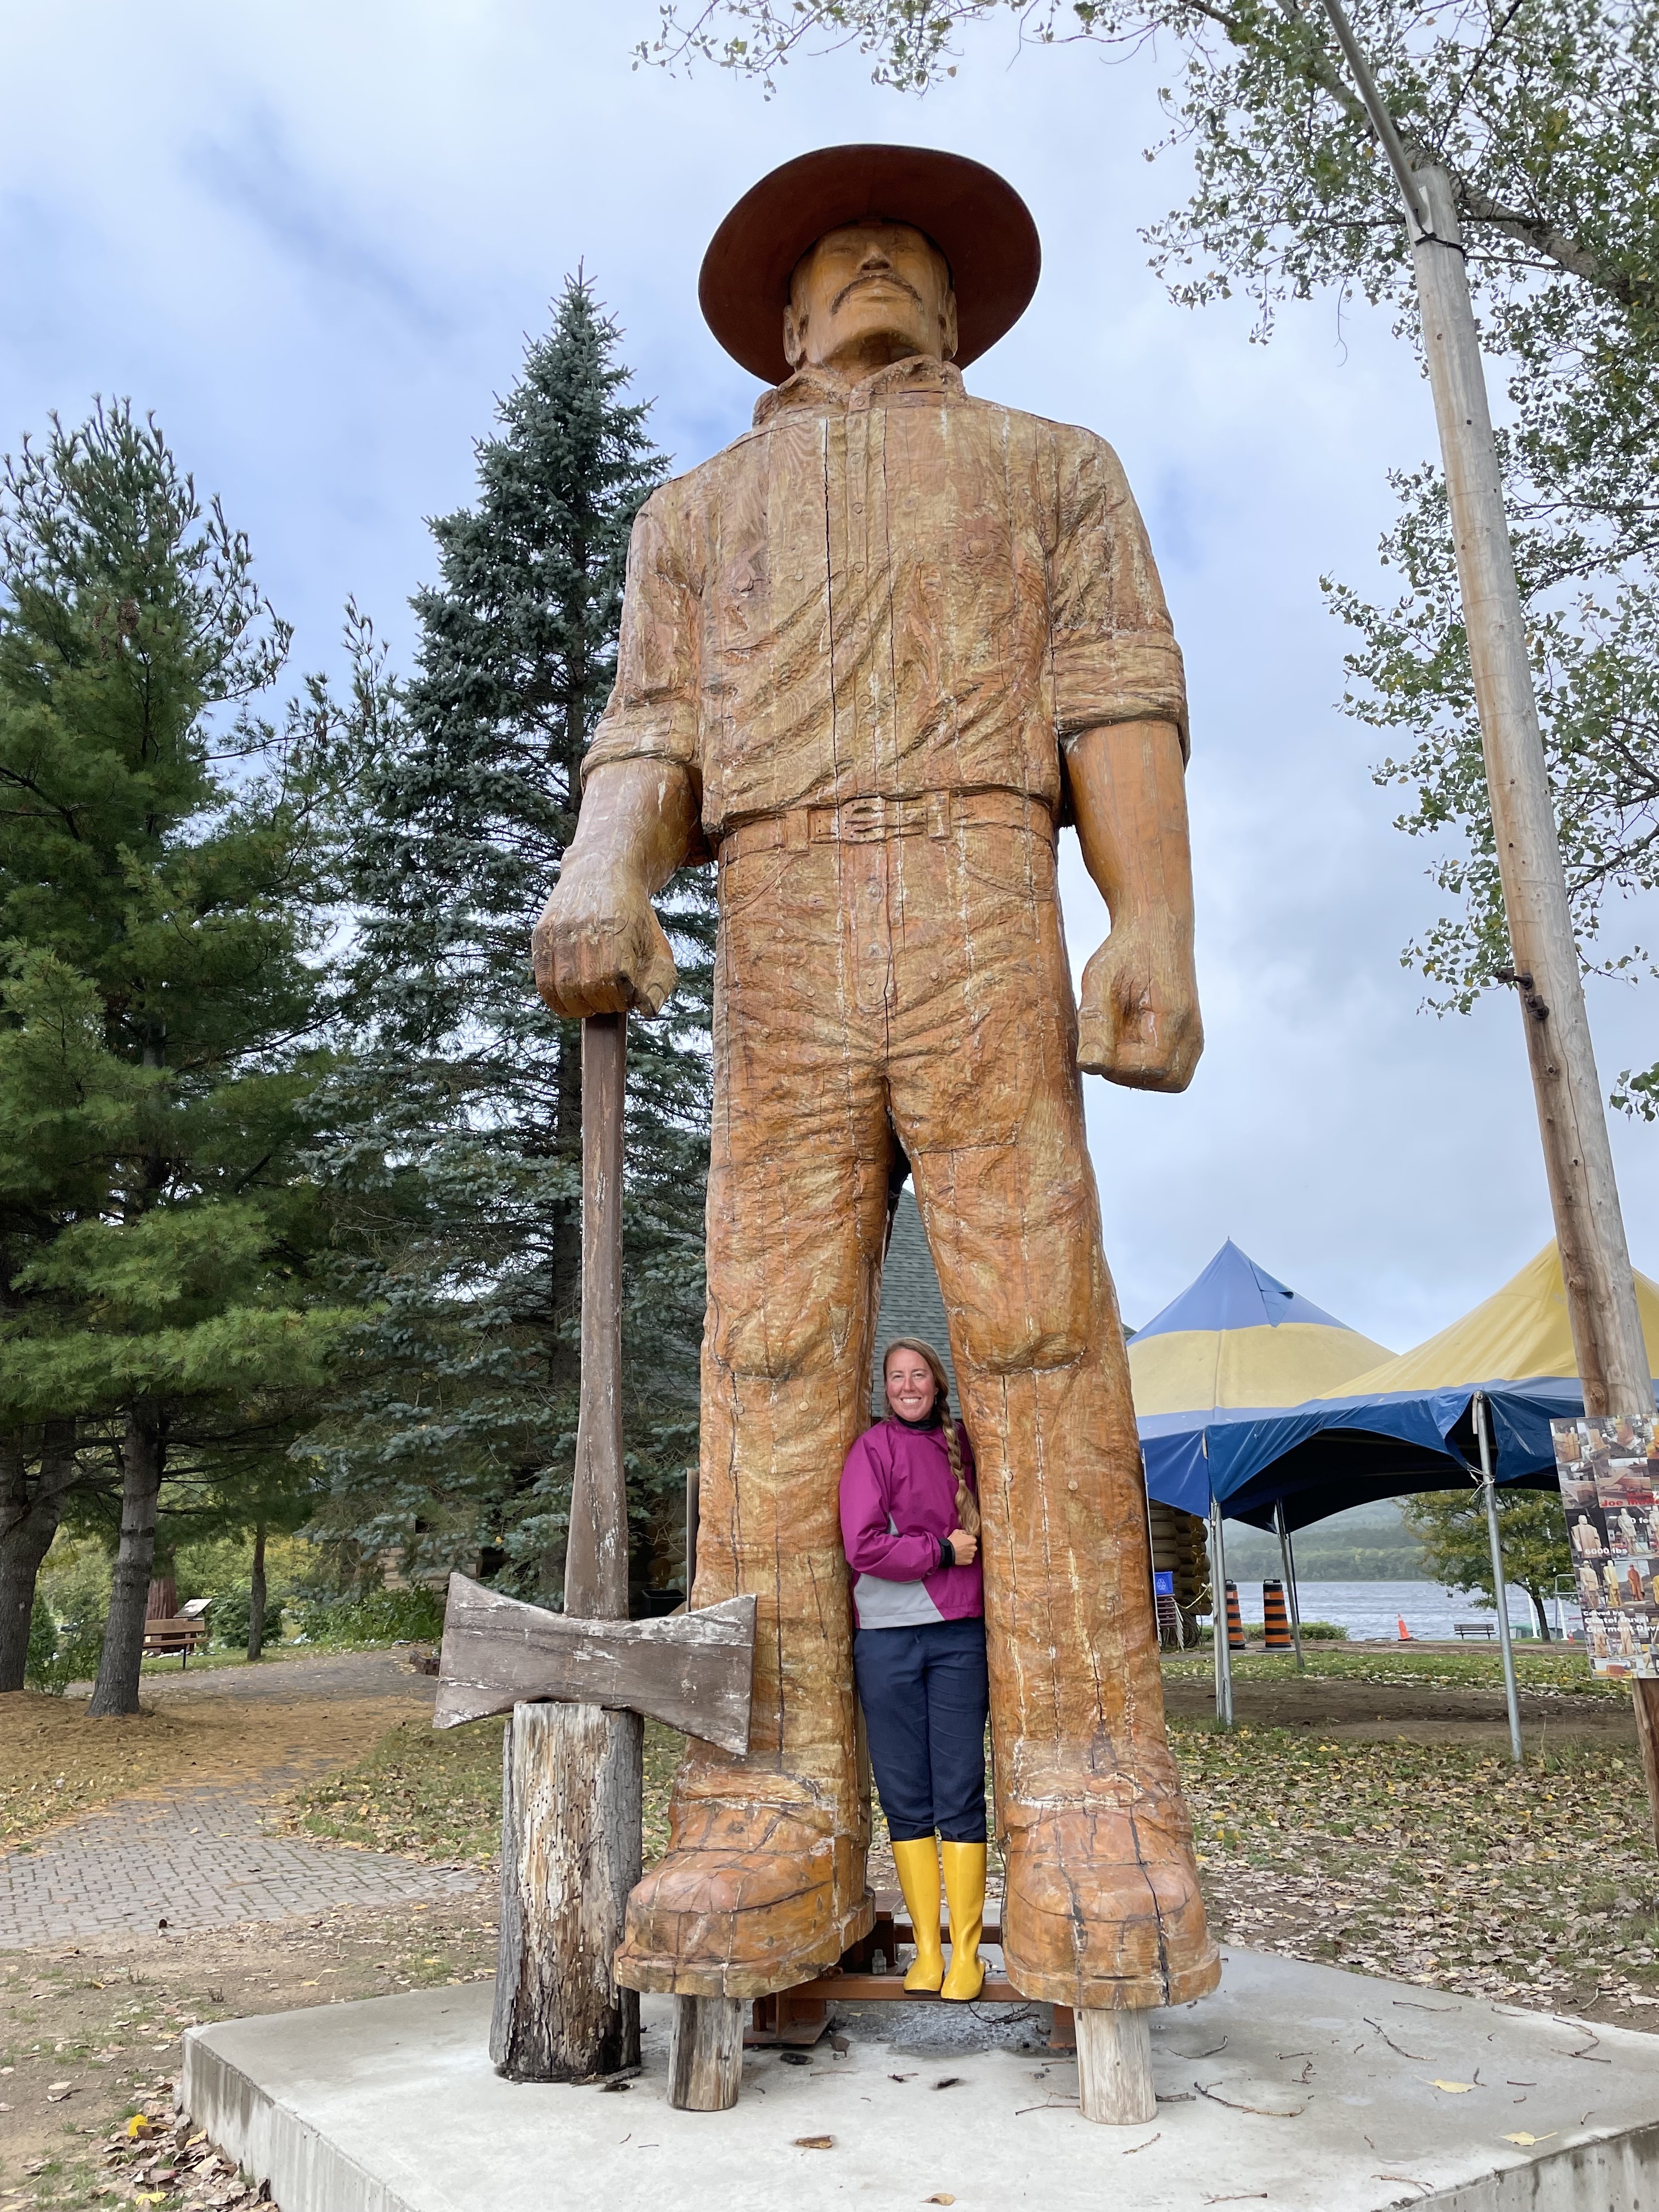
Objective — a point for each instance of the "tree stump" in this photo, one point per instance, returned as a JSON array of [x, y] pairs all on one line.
[[1114, 2068], [705, 2055], [570, 1853]]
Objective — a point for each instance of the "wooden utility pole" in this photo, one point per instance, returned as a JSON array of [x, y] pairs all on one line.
[[1613, 1369], [571, 1776]]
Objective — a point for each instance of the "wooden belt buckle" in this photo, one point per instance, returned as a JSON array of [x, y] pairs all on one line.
[[863, 821]]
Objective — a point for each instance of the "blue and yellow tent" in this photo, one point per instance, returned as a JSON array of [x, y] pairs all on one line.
[[1409, 1424], [1237, 1347], [1406, 1424]]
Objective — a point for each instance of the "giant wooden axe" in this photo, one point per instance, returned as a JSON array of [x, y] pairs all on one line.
[[571, 1779], [693, 1671]]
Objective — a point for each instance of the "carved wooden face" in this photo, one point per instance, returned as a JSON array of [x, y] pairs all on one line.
[[869, 294]]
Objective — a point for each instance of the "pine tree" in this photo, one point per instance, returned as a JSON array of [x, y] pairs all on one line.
[[163, 899], [463, 1162]]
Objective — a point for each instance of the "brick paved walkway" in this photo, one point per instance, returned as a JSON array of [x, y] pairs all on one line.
[[289, 1681], [203, 1858]]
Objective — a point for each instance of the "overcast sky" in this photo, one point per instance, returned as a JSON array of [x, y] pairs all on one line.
[[315, 239]]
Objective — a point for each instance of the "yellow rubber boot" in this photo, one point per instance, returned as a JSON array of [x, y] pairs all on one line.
[[918, 1872], [964, 1887]]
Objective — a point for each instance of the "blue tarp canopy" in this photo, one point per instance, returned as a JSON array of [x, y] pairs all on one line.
[[1236, 1348], [1404, 1425]]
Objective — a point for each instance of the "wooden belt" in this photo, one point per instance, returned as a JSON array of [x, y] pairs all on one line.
[[867, 821]]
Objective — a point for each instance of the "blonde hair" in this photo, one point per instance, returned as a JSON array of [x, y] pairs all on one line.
[[967, 1505]]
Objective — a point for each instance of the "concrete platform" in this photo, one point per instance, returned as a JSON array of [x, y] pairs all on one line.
[[1295, 2087]]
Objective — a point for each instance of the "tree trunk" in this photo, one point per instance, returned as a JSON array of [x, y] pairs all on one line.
[[570, 1853], [29, 1515], [116, 1691], [256, 1610], [1539, 1601]]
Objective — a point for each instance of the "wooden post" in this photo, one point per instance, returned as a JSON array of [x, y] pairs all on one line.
[[1590, 1229], [693, 1516], [571, 1783], [705, 2054], [1114, 2068], [570, 1853], [1613, 1369]]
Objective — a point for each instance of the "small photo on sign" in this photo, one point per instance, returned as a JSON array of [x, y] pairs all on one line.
[[1577, 1476], [1606, 1470], [1625, 1486], [1585, 1533]]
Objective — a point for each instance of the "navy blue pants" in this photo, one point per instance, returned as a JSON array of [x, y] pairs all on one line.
[[926, 1694]]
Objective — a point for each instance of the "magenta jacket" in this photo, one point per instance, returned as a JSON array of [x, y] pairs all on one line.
[[898, 1503]]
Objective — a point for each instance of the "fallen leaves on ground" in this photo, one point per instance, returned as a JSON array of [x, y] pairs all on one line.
[[437, 1794], [55, 1764], [172, 2163], [1443, 1864]]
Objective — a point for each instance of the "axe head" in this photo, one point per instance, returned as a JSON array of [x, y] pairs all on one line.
[[694, 1670]]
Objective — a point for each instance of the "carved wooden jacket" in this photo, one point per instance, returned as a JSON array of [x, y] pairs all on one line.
[[887, 587]]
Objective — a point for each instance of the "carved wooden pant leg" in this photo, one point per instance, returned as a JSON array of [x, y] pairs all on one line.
[[1102, 1907], [764, 1881]]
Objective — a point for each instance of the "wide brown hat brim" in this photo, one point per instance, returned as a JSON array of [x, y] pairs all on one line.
[[976, 218]]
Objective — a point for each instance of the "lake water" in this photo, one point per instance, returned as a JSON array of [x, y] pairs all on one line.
[[1376, 1609]]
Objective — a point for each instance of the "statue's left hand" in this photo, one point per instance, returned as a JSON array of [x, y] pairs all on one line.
[[1139, 1021]]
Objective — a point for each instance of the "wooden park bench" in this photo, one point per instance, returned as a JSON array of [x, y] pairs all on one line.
[[1463, 1629], [181, 1634]]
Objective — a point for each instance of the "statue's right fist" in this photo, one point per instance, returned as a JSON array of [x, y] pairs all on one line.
[[598, 947]]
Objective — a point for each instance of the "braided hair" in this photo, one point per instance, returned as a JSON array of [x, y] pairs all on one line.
[[967, 1505]]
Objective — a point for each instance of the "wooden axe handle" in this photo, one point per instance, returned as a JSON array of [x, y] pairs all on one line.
[[596, 1562]]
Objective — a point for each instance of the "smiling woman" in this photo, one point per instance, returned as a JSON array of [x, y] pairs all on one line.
[[910, 1523]]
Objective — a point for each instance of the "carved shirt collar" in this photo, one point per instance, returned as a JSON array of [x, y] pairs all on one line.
[[821, 389]]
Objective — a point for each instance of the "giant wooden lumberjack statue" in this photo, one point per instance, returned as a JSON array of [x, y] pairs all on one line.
[[873, 655]]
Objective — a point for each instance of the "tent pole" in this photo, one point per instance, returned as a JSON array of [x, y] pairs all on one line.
[[1489, 1492], [1287, 1559], [1223, 1657]]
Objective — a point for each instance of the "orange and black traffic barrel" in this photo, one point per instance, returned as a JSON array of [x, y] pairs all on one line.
[[1235, 1620], [1276, 1620]]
